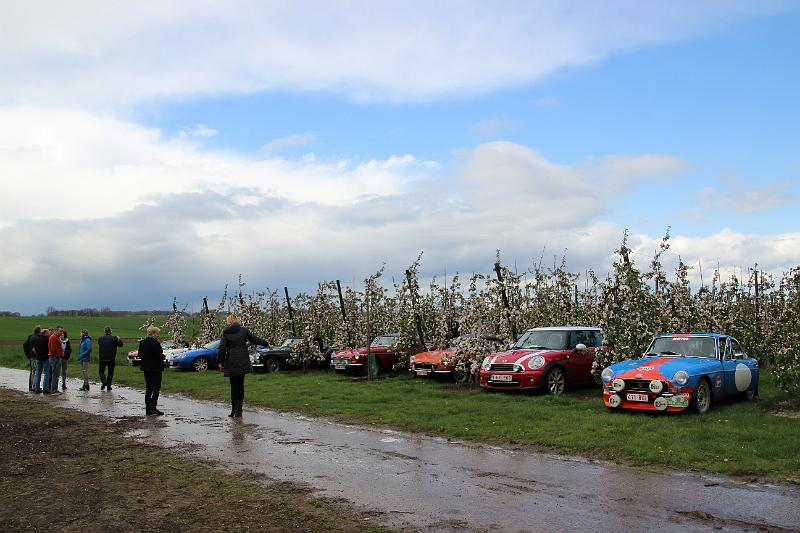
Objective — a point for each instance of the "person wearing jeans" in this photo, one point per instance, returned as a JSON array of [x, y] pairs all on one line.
[[29, 348], [42, 362], [56, 352], [107, 346], [84, 355]]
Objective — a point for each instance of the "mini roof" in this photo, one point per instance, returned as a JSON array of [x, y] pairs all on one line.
[[694, 334]]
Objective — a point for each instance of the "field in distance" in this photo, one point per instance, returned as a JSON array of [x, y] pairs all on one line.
[[17, 328]]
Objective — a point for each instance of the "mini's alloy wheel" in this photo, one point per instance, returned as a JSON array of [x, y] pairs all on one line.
[[201, 364], [273, 364], [701, 403], [556, 381]]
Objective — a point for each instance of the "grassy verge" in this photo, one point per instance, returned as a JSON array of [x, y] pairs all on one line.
[[70, 471], [738, 438]]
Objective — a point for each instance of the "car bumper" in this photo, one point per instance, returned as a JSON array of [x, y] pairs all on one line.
[[655, 402], [517, 380]]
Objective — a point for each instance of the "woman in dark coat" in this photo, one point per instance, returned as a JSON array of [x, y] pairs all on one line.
[[234, 360], [152, 355]]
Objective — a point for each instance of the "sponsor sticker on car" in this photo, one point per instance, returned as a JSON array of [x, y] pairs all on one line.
[[636, 397], [679, 400], [501, 377]]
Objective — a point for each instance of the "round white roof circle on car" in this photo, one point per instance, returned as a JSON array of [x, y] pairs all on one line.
[[743, 377]]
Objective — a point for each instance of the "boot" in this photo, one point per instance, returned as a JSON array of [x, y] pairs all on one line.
[[239, 408], [234, 406]]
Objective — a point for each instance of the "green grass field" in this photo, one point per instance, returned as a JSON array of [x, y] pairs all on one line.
[[127, 327], [738, 438]]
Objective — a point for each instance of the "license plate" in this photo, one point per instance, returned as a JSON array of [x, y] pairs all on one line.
[[501, 377], [634, 397], [340, 364], [422, 372]]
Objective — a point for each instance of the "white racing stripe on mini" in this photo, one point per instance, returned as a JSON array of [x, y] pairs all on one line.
[[526, 357]]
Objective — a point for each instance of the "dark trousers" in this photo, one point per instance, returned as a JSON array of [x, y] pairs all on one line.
[[237, 391], [152, 386], [33, 363], [103, 379]]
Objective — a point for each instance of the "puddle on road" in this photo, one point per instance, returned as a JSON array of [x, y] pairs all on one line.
[[437, 485]]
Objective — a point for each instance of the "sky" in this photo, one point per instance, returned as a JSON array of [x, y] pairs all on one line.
[[151, 150]]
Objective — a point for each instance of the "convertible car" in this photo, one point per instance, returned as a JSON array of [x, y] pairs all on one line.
[[679, 371], [199, 359], [266, 359], [383, 347], [169, 347], [439, 363]]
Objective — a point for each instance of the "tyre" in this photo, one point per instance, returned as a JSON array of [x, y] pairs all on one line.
[[460, 376], [555, 381], [201, 364], [751, 394], [272, 365], [701, 401]]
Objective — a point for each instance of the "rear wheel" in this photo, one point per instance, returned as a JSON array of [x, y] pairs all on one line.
[[273, 364], [751, 394], [460, 376], [701, 402], [201, 364], [555, 381]]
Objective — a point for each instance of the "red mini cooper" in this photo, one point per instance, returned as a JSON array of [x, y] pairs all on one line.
[[544, 358]]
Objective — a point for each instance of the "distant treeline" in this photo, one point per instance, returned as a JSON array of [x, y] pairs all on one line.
[[9, 313], [103, 311]]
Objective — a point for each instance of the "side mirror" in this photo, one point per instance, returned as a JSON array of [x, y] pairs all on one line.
[[580, 346], [740, 355]]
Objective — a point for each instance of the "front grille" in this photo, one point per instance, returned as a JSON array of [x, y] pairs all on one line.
[[424, 366], [642, 385], [502, 367]]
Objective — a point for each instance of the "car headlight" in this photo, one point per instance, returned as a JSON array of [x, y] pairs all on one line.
[[412, 360], [681, 377], [485, 364], [607, 374], [535, 363]]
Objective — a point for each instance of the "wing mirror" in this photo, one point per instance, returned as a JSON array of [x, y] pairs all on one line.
[[580, 347]]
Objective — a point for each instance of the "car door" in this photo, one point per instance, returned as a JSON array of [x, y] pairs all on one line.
[[728, 367], [579, 365], [745, 373]]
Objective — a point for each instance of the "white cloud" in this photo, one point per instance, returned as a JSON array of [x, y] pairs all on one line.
[[110, 52], [733, 196], [199, 130], [290, 141]]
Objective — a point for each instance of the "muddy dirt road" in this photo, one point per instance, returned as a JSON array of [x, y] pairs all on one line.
[[431, 484]]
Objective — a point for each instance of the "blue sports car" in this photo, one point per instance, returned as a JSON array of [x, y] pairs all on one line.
[[199, 359], [682, 370]]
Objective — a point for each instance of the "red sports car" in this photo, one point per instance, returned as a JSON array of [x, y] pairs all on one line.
[[440, 363], [383, 347], [544, 358]]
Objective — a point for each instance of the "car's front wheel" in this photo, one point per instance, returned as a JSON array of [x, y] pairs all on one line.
[[701, 402], [201, 364], [460, 376], [273, 364], [555, 381]]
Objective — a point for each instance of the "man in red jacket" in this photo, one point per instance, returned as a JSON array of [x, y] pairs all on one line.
[[56, 352]]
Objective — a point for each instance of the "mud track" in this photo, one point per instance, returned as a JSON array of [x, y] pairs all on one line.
[[436, 485]]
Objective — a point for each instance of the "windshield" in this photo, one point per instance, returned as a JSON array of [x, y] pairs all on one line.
[[543, 340], [291, 341], [213, 345], [684, 345], [385, 340]]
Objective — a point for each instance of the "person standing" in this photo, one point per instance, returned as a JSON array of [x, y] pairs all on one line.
[[234, 360], [29, 348], [67, 352], [42, 363], [152, 356], [107, 346], [56, 353], [84, 355]]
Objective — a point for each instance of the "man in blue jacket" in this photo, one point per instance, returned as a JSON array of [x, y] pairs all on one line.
[[107, 349], [84, 355]]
